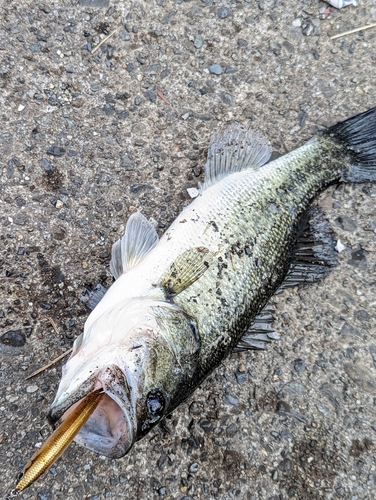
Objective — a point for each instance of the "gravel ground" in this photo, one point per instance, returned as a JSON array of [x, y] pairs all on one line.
[[87, 138]]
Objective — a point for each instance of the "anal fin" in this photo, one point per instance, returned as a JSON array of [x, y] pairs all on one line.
[[314, 255], [260, 332]]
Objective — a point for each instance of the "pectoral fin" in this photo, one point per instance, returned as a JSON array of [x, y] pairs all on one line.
[[139, 238], [186, 269]]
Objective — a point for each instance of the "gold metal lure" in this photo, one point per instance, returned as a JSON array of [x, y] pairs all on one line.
[[59, 440]]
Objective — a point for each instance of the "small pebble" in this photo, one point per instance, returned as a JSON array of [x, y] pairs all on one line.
[[215, 69], [299, 365], [44, 495], [307, 30], [13, 338], [346, 223], [193, 467], [231, 430], [358, 259], [205, 425], [285, 465], [241, 377], [198, 41], [226, 98], [45, 8], [223, 12], [323, 408], [231, 400], [45, 306], [151, 96], [35, 47], [56, 151], [31, 388]]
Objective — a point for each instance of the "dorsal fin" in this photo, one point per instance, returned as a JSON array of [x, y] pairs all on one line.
[[139, 238], [232, 150]]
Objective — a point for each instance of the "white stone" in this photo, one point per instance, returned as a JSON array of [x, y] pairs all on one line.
[[340, 247], [31, 388], [193, 192]]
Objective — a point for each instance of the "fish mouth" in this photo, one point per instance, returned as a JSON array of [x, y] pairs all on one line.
[[111, 429]]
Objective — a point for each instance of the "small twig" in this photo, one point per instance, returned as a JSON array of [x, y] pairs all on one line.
[[49, 364], [54, 325], [162, 96], [353, 31], [104, 40]]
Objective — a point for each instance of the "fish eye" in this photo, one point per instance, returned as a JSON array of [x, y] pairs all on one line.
[[156, 403]]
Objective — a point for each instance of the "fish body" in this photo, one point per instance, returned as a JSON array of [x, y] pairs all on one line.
[[180, 305]]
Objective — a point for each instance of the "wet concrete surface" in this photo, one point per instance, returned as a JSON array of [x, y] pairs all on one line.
[[87, 138]]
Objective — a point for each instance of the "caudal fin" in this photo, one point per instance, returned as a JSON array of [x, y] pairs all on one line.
[[357, 136]]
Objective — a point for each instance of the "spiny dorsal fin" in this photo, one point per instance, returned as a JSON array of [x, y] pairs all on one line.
[[235, 149], [186, 269], [314, 255], [139, 238], [260, 331]]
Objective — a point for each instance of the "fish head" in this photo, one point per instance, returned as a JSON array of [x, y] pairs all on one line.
[[142, 355]]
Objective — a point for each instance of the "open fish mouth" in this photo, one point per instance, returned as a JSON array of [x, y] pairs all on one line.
[[111, 429]]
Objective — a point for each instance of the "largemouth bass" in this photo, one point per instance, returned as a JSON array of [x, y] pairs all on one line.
[[181, 304]]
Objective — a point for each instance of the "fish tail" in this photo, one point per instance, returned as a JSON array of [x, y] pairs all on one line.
[[357, 139]]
